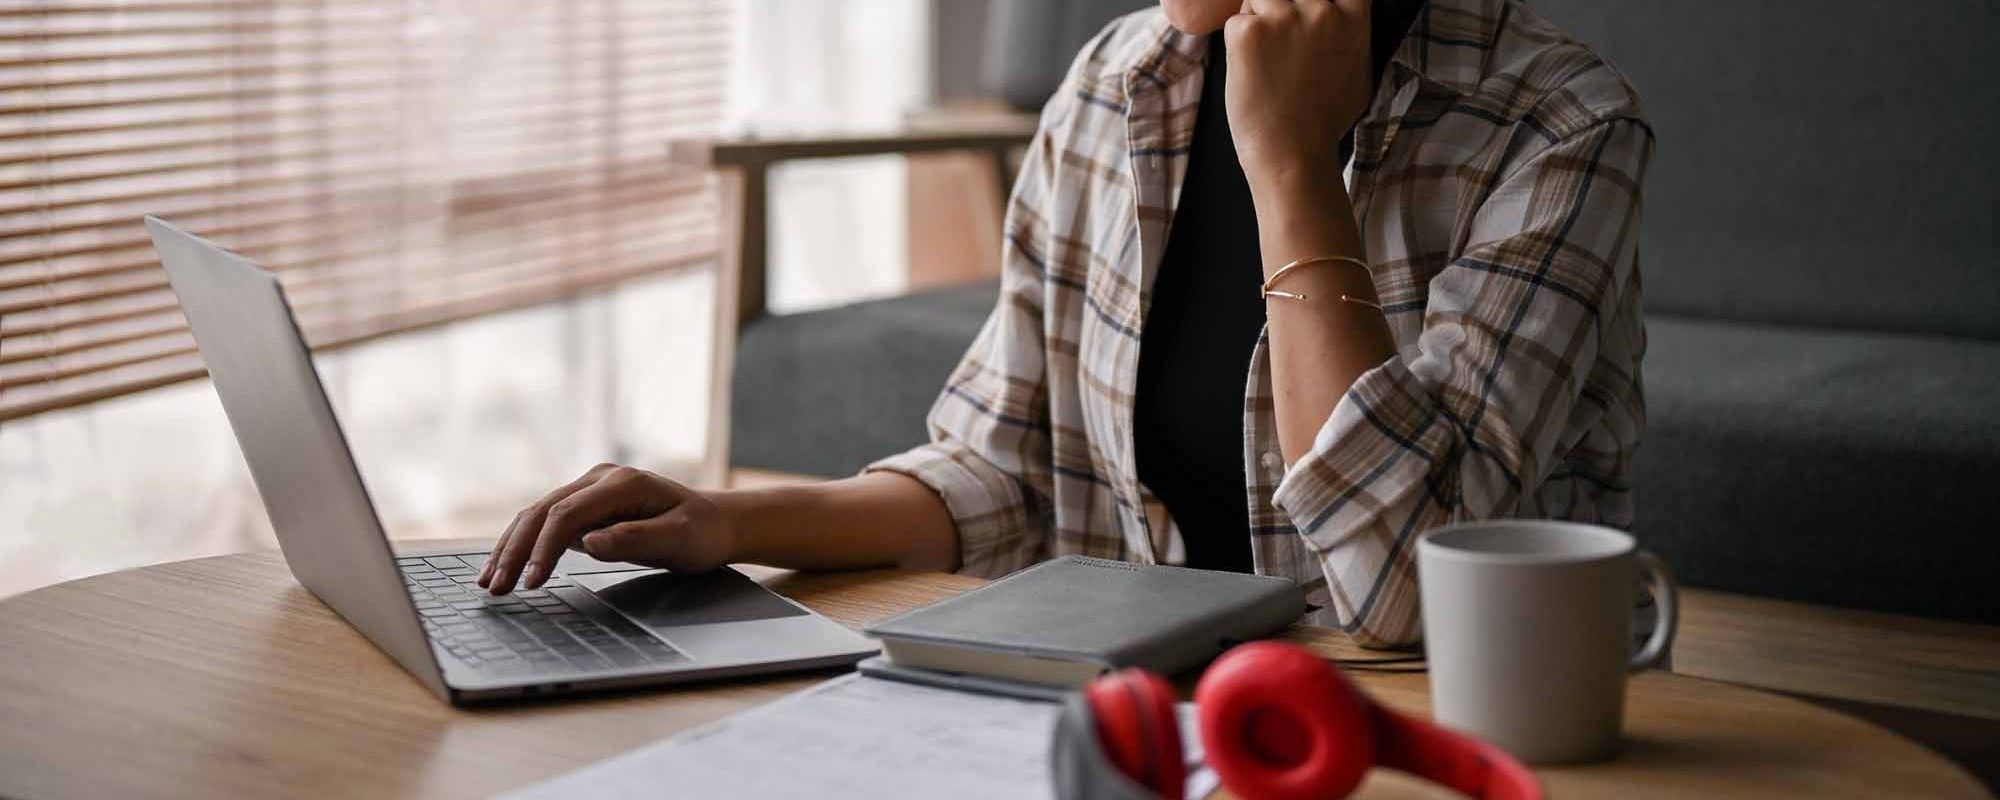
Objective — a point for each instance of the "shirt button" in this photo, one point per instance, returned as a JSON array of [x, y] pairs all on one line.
[[1273, 464]]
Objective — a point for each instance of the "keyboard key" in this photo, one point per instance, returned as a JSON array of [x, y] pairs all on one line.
[[409, 561], [544, 602], [438, 611], [468, 605], [442, 562], [624, 656], [527, 593]]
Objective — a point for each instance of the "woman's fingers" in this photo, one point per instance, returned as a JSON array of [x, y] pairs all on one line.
[[1270, 8], [651, 540], [693, 536], [620, 494], [529, 519]]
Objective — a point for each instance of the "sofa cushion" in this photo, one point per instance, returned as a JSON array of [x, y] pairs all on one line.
[[826, 392], [1831, 467], [1821, 163]]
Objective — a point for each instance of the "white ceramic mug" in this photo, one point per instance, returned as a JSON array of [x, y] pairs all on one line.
[[1528, 631]]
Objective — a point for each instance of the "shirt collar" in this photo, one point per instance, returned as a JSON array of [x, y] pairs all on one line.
[[1451, 42]]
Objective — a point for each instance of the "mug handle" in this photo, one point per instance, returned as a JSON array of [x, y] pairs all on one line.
[[1660, 581]]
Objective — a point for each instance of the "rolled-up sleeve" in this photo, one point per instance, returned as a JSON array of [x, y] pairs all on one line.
[[989, 456], [1472, 417]]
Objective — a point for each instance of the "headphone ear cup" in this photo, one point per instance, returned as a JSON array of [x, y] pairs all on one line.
[[1279, 723], [1134, 711]]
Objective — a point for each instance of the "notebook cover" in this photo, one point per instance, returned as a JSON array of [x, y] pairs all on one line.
[[1112, 613]]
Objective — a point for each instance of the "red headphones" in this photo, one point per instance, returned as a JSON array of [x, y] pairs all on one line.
[[1278, 723]]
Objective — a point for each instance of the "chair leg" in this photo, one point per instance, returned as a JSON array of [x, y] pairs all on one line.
[[739, 298]]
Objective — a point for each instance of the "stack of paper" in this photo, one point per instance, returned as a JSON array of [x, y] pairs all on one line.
[[848, 737]]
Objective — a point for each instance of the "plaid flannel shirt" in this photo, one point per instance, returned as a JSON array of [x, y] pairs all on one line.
[[1496, 183]]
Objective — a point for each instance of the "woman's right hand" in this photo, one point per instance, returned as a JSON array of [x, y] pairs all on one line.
[[613, 513]]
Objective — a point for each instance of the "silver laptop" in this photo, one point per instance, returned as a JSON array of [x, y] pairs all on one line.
[[594, 625]]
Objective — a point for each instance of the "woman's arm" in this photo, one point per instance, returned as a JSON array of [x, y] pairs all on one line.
[[872, 520], [1531, 341], [619, 513], [1299, 76]]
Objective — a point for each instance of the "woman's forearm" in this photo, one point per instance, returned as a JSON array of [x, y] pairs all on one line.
[[1299, 76], [1319, 345], [879, 519]]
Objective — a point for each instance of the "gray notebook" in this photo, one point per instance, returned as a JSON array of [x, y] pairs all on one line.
[[1060, 623]]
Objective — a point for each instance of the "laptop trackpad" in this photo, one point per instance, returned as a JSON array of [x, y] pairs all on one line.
[[667, 600]]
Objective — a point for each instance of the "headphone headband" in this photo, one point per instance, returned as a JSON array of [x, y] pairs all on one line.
[[1277, 723]]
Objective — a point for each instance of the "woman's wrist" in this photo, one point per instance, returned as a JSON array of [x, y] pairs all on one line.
[[740, 510], [1302, 179], [1304, 219]]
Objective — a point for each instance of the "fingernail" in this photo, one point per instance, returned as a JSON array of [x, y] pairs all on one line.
[[529, 574], [499, 580], [590, 543]]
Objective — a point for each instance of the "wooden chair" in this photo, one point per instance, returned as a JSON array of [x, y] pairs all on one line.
[[742, 166]]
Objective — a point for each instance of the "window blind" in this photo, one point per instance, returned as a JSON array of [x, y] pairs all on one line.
[[399, 163]]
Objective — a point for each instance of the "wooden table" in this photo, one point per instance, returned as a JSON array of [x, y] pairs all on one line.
[[222, 677]]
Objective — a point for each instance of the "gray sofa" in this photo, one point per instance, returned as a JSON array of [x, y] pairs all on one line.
[[1823, 307]]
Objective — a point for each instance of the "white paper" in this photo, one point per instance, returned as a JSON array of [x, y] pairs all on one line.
[[849, 737]]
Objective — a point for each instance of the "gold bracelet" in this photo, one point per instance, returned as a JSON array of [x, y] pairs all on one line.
[[1267, 292]]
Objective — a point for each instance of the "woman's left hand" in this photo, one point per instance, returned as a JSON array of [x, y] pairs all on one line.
[[1299, 77]]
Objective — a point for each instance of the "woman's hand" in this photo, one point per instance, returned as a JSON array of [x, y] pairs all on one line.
[[613, 513], [1299, 77]]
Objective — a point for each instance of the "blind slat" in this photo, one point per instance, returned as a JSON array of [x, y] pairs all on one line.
[[327, 253], [125, 234], [40, 397], [151, 281]]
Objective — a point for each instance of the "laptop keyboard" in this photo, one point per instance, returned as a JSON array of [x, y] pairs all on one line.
[[531, 631]]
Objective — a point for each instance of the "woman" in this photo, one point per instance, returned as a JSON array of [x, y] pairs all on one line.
[[1399, 288]]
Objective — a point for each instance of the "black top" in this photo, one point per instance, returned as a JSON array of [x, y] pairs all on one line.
[[1194, 352], [1202, 325]]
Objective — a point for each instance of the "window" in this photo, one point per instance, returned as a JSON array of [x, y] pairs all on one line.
[[399, 163]]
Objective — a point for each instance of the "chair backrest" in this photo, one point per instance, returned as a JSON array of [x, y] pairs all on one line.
[[1829, 163]]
